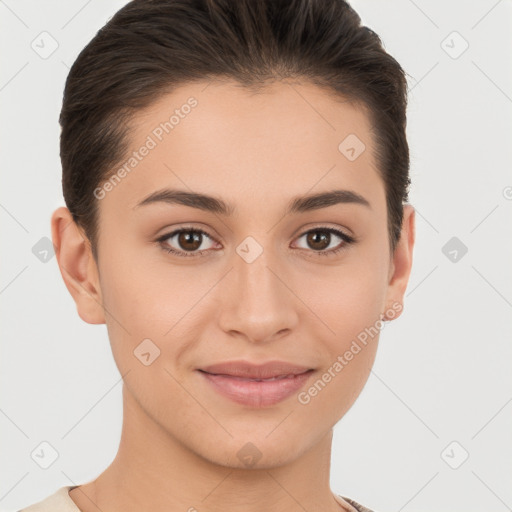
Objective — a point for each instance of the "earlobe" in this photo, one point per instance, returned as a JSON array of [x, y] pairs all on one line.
[[77, 266], [401, 263]]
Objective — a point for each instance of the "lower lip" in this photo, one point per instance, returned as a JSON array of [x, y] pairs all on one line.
[[254, 393]]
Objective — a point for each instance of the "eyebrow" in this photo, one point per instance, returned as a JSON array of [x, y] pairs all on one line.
[[217, 205]]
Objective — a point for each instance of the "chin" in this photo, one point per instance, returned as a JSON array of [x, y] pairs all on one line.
[[256, 451]]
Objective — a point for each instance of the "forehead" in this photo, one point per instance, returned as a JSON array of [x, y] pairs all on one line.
[[219, 138]]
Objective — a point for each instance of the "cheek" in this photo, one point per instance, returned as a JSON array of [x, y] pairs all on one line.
[[144, 293], [348, 301], [133, 305], [348, 340], [150, 300], [347, 298]]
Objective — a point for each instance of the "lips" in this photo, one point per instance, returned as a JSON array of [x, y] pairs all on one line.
[[256, 386], [243, 370]]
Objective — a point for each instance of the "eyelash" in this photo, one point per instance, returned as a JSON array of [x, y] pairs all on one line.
[[347, 240]]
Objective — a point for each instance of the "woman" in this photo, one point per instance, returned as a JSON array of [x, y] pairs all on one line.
[[236, 180]]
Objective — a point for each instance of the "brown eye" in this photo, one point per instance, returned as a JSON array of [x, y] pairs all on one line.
[[319, 239], [187, 242]]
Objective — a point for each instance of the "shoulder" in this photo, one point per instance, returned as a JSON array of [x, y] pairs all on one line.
[[357, 506], [59, 501]]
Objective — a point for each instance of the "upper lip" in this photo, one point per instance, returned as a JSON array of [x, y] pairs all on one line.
[[255, 371]]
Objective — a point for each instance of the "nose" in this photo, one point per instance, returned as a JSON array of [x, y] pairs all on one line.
[[257, 302]]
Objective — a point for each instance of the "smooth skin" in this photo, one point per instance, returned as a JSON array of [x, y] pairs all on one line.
[[180, 439]]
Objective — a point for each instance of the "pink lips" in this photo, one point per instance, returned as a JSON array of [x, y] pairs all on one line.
[[256, 385]]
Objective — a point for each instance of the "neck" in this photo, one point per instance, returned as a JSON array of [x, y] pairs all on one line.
[[154, 471]]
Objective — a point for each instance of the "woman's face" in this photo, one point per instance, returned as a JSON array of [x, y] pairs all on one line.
[[261, 283]]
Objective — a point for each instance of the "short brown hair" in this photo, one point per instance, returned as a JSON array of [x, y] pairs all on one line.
[[150, 47]]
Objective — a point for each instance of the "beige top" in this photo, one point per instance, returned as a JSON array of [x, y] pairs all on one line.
[[61, 501]]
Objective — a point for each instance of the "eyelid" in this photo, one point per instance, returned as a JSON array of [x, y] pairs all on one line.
[[342, 232], [180, 229]]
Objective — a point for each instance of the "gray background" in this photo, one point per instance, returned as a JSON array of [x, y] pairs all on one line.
[[441, 387]]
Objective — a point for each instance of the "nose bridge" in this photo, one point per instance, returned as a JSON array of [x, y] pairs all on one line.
[[256, 302], [253, 270], [257, 284]]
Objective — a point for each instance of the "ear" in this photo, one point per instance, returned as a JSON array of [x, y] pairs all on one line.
[[401, 264], [77, 266]]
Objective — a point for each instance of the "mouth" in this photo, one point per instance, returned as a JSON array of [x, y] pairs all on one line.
[[256, 386], [247, 370], [248, 379]]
